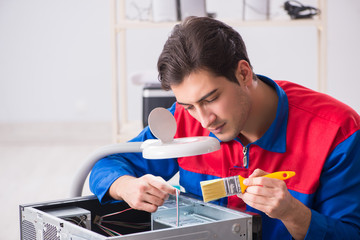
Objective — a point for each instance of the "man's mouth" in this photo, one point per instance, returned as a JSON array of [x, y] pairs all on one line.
[[218, 129]]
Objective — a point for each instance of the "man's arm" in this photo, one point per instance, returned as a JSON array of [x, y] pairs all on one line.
[[272, 197], [335, 211], [108, 170]]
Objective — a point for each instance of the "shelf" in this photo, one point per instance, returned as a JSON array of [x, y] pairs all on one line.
[[120, 25], [127, 24]]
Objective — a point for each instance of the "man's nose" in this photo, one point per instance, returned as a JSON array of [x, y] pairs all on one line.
[[206, 117]]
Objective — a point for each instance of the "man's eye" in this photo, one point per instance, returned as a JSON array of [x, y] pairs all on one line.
[[189, 108], [211, 100]]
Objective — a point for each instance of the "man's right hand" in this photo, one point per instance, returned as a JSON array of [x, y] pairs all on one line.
[[145, 193]]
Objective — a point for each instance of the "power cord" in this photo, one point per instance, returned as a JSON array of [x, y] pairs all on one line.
[[297, 10]]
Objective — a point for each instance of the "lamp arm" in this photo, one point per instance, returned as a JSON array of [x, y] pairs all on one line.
[[84, 170]]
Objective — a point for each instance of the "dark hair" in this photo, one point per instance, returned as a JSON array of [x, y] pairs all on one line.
[[200, 43]]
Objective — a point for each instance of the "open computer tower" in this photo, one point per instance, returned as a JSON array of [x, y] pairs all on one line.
[[84, 218]]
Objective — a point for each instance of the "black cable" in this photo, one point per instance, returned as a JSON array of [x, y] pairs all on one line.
[[297, 10]]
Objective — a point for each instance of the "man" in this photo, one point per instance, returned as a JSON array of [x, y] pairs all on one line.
[[264, 126]]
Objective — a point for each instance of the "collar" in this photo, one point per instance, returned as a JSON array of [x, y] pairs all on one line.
[[274, 139]]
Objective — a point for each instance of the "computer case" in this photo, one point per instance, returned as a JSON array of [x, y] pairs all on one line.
[[84, 218]]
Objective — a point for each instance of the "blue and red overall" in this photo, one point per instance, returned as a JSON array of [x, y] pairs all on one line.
[[313, 134]]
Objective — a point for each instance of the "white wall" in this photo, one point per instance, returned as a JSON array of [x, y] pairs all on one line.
[[55, 62], [344, 51]]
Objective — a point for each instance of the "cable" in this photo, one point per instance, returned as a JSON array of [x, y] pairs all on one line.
[[80, 221], [297, 10], [115, 213], [99, 220]]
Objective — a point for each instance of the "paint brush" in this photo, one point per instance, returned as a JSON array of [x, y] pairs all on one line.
[[224, 187]]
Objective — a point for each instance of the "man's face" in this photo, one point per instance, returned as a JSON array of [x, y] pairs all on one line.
[[220, 106]]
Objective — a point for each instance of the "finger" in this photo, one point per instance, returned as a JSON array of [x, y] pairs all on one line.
[[144, 206], [259, 191], [150, 208], [155, 195], [252, 199], [274, 205], [259, 203], [264, 195], [258, 173], [149, 199], [162, 185], [143, 201], [154, 199]]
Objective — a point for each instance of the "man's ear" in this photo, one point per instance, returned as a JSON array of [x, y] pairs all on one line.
[[244, 73]]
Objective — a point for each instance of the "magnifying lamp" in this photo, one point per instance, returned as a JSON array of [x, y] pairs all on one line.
[[163, 126]]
